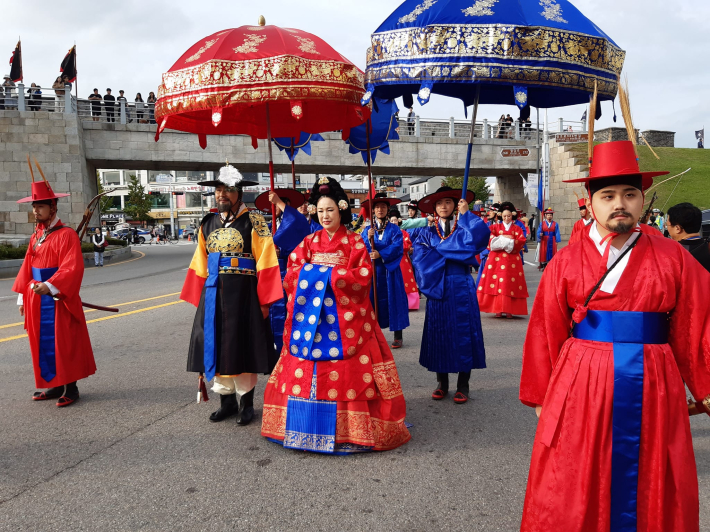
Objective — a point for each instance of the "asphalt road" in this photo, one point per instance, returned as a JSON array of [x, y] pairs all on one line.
[[137, 453]]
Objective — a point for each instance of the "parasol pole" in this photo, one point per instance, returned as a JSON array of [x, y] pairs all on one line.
[[271, 168], [470, 142], [293, 164], [372, 216]]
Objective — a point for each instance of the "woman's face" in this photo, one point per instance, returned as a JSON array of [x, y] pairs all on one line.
[[507, 216], [328, 214]]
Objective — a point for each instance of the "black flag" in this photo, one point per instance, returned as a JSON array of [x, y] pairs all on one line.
[[68, 67], [16, 63]]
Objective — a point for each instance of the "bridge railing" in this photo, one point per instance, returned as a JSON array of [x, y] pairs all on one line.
[[485, 129]]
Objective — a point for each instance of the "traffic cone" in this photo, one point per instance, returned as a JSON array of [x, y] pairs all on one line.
[[189, 238]]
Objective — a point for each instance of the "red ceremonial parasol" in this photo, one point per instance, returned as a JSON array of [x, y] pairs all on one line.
[[262, 81]]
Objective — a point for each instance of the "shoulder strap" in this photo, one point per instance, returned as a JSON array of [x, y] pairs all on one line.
[[610, 268]]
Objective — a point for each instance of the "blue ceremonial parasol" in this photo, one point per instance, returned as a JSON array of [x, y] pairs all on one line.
[[292, 146], [383, 128], [542, 53]]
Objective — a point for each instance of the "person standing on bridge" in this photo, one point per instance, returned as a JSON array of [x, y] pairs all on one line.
[[388, 243], [110, 106], [548, 236], [48, 286], [233, 279], [452, 341], [619, 328]]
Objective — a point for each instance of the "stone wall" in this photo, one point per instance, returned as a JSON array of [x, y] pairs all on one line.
[[511, 189], [660, 139], [56, 141], [610, 134], [567, 161]]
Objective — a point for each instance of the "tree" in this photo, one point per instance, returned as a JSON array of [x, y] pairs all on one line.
[[105, 203], [477, 185], [137, 203]]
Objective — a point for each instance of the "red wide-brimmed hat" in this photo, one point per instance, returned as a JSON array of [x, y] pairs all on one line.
[[380, 197], [42, 191], [548, 211], [428, 203], [616, 159], [582, 203], [294, 197]]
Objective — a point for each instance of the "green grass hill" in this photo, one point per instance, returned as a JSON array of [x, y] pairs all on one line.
[[694, 187]]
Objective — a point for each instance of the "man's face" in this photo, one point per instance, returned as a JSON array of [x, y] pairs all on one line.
[[548, 217], [445, 207], [583, 212], [303, 209], [227, 199], [43, 213], [381, 210], [491, 214], [412, 212], [618, 207]]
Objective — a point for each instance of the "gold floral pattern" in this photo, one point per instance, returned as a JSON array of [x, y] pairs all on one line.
[[202, 50], [387, 380], [329, 259], [259, 224], [225, 240], [480, 8], [306, 45], [587, 58], [251, 44], [552, 11], [426, 4]]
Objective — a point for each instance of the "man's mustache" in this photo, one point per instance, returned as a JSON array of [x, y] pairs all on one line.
[[618, 213]]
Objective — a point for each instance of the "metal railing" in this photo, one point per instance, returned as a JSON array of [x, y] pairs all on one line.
[[121, 112], [23, 98], [451, 128]]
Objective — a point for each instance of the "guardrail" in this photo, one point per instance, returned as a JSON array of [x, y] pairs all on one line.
[[124, 112]]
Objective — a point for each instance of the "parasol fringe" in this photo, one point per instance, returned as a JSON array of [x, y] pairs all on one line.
[[649, 146], [591, 115], [626, 111]]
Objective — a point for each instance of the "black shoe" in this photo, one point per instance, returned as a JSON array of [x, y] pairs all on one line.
[[70, 395], [227, 407], [52, 393], [246, 408]]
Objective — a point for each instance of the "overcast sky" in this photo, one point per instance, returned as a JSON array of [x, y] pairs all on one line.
[[129, 44]]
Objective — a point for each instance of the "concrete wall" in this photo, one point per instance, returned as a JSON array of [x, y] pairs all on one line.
[[56, 141]]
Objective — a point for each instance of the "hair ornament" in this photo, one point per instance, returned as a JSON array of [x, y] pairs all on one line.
[[323, 180], [342, 205], [312, 209]]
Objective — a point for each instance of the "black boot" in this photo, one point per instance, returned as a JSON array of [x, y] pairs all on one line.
[[461, 395], [246, 408], [227, 407], [442, 386], [52, 393], [70, 395]]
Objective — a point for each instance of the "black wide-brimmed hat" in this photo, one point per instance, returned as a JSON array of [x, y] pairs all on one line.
[[428, 203], [294, 197], [381, 197], [229, 177]]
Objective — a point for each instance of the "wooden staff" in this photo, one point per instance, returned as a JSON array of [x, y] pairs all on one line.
[[271, 168], [293, 163], [372, 217]]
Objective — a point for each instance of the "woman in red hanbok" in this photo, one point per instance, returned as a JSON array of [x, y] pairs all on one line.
[[502, 288], [335, 388]]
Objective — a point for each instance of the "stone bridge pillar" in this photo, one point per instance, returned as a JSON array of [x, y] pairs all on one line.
[[56, 141], [510, 188]]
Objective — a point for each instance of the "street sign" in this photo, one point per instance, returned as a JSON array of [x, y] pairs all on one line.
[[571, 138], [164, 178], [514, 152]]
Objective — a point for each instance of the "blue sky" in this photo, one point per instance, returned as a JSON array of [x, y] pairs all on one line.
[[129, 44]]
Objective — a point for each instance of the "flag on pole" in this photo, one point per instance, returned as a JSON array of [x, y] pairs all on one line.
[[700, 135], [540, 195], [68, 66], [584, 116], [16, 63]]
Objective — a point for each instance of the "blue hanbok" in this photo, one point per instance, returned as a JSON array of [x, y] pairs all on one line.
[[484, 258], [291, 228], [453, 340], [525, 247], [392, 304]]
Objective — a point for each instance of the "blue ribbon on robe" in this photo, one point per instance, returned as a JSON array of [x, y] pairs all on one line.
[[628, 331], [47, 353], [214, 261]]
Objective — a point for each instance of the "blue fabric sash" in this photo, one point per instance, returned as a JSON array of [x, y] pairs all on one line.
[[628, 331], [47, 354], [215, 263], [315, 334]]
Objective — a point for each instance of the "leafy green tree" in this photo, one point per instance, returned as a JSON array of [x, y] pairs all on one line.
[[477, 185], [137, 203], [105, 202]]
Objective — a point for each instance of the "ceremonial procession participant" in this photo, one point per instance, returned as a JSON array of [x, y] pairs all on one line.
[[303, 209], [232, 280], [335, 388], [584, 222], [548, 236], [414, 219], [388, 243], [613, 448], [516, 219], [410, 282], [503, 289], [48, 286], [452, 341], [291, 228], [490, 219]]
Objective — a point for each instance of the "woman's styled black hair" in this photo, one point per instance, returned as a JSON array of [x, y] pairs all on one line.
[[327, 187]]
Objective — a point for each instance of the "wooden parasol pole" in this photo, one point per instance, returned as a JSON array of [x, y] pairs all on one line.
[[293, 164], [372, 217], [271, 168], [470, 142]]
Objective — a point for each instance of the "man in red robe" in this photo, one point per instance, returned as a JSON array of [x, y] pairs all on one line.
[[585, 220], [48, 286], [613, 449]]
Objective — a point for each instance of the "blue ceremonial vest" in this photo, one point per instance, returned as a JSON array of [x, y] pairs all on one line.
[[47, 354]]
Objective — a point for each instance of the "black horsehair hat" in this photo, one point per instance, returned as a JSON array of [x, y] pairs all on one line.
[[229, 177], [428, 203], [381, 197]]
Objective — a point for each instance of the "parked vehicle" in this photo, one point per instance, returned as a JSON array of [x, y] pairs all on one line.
[[123, 234], [188, 231]]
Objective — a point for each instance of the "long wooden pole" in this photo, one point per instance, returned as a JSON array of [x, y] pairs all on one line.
[[271, 168], [372, 216], [293, 164], [470, 142]]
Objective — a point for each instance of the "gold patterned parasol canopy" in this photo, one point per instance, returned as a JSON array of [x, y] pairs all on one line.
[[224, 84]]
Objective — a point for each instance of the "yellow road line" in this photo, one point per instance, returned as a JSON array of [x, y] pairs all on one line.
[[93, 310], [106, 318]]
